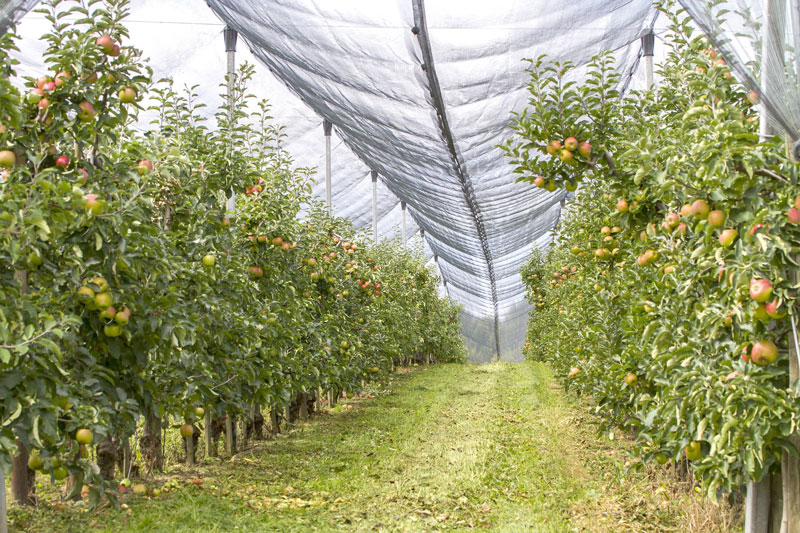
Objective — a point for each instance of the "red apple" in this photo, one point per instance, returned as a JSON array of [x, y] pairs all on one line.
[[115, 51], [87, 111], [571, 144], [35, 96], [553, 148], [672, 220], [686, 210], [727, 237], [92, 204], [793, 216], [539, 181], [44, 103], [760, 290], [41, 81], [716, 218], [700, 209], [106, 43], [764, 353], [144, 167], [62, 77], [62, 161], [622, 205], [49, 86], [585, 149]]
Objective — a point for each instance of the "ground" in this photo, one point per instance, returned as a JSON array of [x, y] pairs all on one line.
[[497, 447]]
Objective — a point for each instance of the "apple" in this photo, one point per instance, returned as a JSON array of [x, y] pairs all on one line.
[[797, 202], [700, 209], [226, 222], [553, 148], [630, 379], [112, 330], [716, 218], [139, 489], [764, 353], [127, 95], [754, 229], [84, 491], [567, 157], [86, 111], [103, 300], [694, 451], [686, 210], [727, 237], [106, 43], [7, 159], [793, 216], [539, 181], [62, 161], [761, 314], [209, 260], [62, 77], [773, 310], [144, 167], [602, 253], [669, 269], [35, 96], [199, 412], [312, 262], [622, 205], [85, 295], [92, 204], [256, 271], [84, 176], [84, 436], [35, 461], [672, 220], [574, 371], [605, 230], [60, 473], [314, 276], [108, 313], [760, 290], [277, 241], [288, 246], [585, 149], [40, 82], [123, 316], [571, 144], [187, 430]]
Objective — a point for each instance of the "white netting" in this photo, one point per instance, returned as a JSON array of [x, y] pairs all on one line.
[[431, 133]]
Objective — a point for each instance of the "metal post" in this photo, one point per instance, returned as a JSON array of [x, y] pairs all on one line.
[[327, 128], [403, 224], [230, 48], [3, 510], [757, 504], [648, 43], [375, 205]]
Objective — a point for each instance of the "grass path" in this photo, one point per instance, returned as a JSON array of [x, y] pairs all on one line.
[[454, 447]]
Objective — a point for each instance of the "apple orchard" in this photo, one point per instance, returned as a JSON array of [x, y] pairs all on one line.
[[133, 304], [668, 294]]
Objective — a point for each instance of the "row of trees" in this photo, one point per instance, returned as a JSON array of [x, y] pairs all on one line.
[[131, 297], [669, 293]]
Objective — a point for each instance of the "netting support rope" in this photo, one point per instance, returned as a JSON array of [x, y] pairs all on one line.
[[421, 31], [403, 224]]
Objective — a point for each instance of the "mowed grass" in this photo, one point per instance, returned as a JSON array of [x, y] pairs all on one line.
[[495, 447]]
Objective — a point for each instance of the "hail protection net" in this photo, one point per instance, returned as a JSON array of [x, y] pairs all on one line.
[[422, 94], [759, 40]]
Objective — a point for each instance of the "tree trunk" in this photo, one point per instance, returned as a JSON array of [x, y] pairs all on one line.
[[274, 421], [302, 413], [107, 457], [22, 477], [211, 445], [150, 443]]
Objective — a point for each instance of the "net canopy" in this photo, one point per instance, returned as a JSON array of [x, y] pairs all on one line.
[[420, 93], [759, 40]]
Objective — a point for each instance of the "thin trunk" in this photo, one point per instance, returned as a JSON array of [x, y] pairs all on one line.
[[22, 477], [230, 444], [3, 505], [150, 443], [302, 413], [211, 449], [274, 421]]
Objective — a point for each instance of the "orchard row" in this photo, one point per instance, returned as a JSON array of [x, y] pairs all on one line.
[[130, 296], [669, 292]]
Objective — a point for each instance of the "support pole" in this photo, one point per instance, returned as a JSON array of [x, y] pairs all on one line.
[[648, 44], [403, 224], [210, 451], [230, 49], [327, 128], [229, 447], [375, 206]]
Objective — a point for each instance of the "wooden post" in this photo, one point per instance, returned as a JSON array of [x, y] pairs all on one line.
[[303, 411], [274, 423]]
